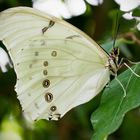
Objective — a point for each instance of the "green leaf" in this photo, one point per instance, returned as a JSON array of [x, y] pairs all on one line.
[[113, 107]]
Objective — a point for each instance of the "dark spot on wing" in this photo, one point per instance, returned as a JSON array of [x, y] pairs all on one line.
[[36, 53], [51, 23], [45, 63], [48, 97], [72, 36], [53, 108], [46, 83], [50, 118], [58, 116], [45, 72], [54, 53]]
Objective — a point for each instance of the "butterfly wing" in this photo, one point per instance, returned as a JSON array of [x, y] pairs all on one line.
[[58, 67]]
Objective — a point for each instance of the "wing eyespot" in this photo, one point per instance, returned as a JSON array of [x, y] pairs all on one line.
[[45, 63], [54, 53], [46, 83], [53, 108], [48, 97], [45, 72]]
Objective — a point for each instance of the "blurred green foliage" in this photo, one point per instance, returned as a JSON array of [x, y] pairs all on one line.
[[97, 22]]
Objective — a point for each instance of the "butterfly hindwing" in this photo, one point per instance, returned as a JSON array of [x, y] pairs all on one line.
[[58, 67]]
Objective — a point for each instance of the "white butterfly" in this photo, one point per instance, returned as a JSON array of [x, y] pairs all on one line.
[[58, 66]]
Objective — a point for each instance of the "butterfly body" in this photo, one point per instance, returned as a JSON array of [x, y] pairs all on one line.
[[58, 67]]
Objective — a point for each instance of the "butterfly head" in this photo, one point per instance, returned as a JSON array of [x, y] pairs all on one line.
[[115, 52], [114, 61]]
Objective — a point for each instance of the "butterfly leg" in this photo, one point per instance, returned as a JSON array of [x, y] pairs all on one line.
[[124, 91], [124, 62]]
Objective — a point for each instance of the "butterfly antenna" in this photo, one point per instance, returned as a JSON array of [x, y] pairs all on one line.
[[116, 30], [124, 91]]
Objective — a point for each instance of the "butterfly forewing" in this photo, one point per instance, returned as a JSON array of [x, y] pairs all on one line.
[[58, 67]]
